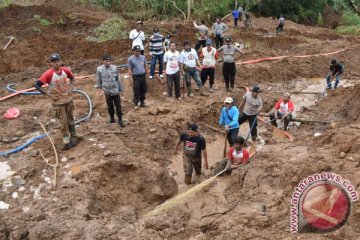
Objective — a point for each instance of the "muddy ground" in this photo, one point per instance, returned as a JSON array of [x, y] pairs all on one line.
[[109, 182]]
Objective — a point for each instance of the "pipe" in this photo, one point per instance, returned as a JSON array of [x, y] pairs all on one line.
[[34, 139], [20, 148]]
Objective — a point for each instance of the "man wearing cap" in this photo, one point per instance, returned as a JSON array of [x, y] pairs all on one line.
[[156, 46], [283, 110], [219, 28], [138, 70], [189, 60], [108, 80], [209, 56], [229, 118], [253, 105], [194, 145], [336, 71], [203, 31], [60, 93], [172, 71], [137, 36], [229, 68]]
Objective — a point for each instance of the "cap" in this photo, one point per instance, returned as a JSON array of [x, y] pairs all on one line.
[[228, 39], [256, 89], [55, 57], [193, 127], [168, 36], [208, 42], [229, 100], [156, 30], [106, 57], [333, 61], [136, 48], [287, 95], [139, 22]]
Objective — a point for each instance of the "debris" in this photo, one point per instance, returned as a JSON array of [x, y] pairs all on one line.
[[14, 195], [33, 153], [108, 153], [11, 38], [12, 113], [152, 130], [164, 110], [342, 155], [18, 181], [317, 134], [4, 205]]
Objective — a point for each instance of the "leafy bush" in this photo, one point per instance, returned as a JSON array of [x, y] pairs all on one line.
[[114, 28], [43, 21], [350, 18]]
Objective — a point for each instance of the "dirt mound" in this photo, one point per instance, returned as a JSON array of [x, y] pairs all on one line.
[[331, 18]]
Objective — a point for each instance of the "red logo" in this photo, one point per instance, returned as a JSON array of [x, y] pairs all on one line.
[[324, 207], [191, 57]]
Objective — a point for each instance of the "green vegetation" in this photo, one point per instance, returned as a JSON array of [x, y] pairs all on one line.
[[114, 28], [43, 21], [350, 18], [5, 3], [348, 30]]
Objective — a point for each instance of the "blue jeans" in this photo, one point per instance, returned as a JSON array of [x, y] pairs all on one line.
[[153, 63], [328, 80], [194, 73]]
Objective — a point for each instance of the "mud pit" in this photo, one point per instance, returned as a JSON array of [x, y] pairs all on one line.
[[109, 182]]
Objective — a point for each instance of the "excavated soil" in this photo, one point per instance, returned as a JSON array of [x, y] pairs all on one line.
[[109, 182]]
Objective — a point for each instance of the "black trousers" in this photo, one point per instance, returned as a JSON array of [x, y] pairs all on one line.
[[205, 73], [229, 71], [251, 119], [200, 43], [139, 87], [219, 41], [235, 21], [112, 101], [231, 136], [280, 27], [173, 79], [142, 52]]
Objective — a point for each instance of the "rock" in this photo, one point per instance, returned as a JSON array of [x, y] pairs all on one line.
[[164, 110], [128, 214], [18, 181], [108, 153], [152, 130], [156, 190], [33, 153], [154, 111], [173, 173], [342, 155], [158, 224]]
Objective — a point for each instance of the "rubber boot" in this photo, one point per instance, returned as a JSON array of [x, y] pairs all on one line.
[[73, 132], [187, 179], [189, 92], [121, 123], [202, 93], [74, 137], [111, 120], [66, 142]]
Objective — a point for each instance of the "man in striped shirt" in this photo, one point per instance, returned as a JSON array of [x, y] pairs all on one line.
[[157, 52]]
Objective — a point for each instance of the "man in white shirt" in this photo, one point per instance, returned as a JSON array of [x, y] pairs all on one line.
[[172, 70], [137, 36], [189, 59]]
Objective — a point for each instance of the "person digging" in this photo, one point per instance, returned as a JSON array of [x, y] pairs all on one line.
[[283, 110], [194, 145], [108, 80], [60, 93], [336, 71], [235, 157], [229, 118]]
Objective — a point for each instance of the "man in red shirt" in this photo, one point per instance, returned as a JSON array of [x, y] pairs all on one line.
[[236, 156], [283, 111], [60, 93]]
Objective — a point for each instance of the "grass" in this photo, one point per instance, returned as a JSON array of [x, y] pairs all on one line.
[[114, 28], [5, 3], [43, 21], [354, 30]]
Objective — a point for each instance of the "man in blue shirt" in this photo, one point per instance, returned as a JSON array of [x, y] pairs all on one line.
[[229, 117], [236, 14]]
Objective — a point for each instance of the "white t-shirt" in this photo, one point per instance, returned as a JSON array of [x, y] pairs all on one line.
[[284, 107], [188, 58], [137, 39], [172, 62]]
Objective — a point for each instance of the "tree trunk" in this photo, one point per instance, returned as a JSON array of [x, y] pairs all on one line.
[[189, 10]]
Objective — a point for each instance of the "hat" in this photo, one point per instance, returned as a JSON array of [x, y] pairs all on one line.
[[229, 100], [193, 127], [228, 39], [208, 42], [139, 22], [55, 57], [333, 62], [256, 89], [136, 48], [106, 57], [156, 30]]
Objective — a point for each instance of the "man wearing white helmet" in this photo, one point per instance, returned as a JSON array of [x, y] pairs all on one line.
[[229, 118]]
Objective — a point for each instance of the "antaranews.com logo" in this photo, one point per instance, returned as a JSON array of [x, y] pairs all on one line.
[[321, 203]]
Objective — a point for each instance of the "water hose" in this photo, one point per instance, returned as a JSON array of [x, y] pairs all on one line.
[[34, 139]]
